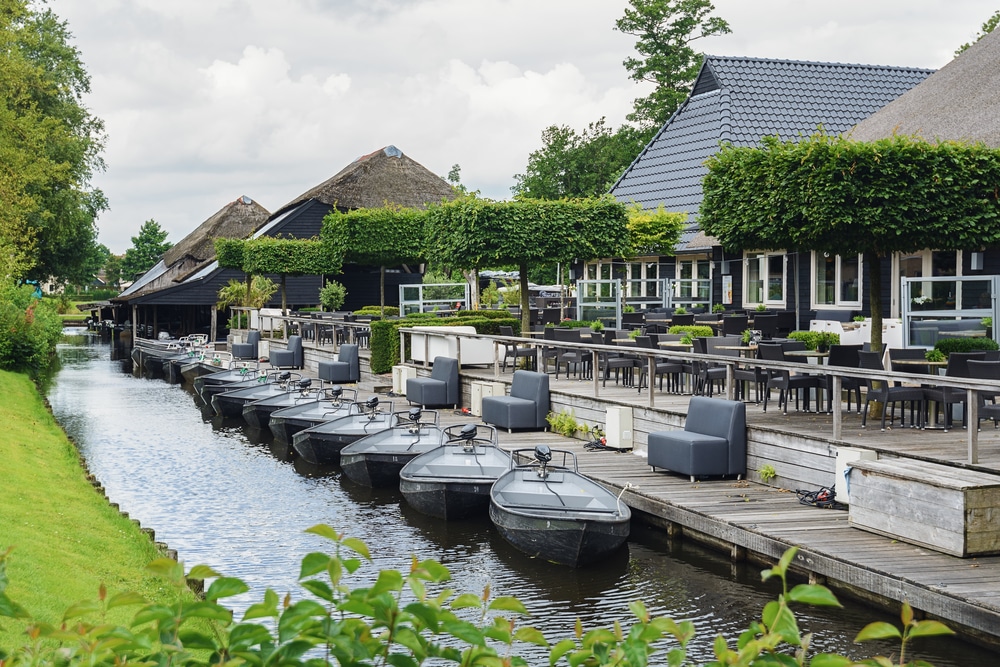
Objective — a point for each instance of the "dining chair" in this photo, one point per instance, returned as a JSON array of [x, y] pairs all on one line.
[[958, 367], [617, 361], [882, 392], [785, 381], [987, 370], [514, 351], [579, 359], [662, 368], [844, 356], [735, 324]]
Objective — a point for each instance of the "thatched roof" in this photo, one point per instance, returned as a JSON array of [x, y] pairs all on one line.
[[385, 176], [961, 102], [236, 220]]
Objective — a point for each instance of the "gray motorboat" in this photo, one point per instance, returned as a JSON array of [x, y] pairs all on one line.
[[376, 460]]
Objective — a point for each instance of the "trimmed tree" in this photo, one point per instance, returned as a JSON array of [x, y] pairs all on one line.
[[470, 233], [289, 257], [386, 236], [830, 194]]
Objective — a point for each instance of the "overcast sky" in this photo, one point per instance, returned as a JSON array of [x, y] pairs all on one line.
[[208, 100]]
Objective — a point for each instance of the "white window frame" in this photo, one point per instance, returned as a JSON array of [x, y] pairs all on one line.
[[762, 257], [647, 282], [838, 303], [695, 261], [927, 269]]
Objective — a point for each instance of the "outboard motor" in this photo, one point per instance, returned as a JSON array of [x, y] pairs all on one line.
[[334, 393], [468, 435], [304, 384], [543, 455], [371, 404], [414, 416]]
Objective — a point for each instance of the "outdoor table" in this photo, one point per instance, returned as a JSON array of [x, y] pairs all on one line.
[[675, 343], [808, 355], [744, 350]]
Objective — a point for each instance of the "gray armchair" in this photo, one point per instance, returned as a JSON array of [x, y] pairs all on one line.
[[526, 407], [713, 442], [290, 357], [248, 349], [440, 389], [347, 368]]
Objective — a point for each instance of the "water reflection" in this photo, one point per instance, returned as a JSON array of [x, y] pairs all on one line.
[[232, 498]]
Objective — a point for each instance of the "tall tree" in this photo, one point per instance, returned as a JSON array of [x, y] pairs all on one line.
[[665, 30], [50, 144], [147, 248], [579, 165], [988, 27]]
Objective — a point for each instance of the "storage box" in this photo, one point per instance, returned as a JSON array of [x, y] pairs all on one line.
[[945, 508], [480, 390], [400, 374]]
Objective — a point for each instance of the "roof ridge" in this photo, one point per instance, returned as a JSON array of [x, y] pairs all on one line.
[[820, 63]]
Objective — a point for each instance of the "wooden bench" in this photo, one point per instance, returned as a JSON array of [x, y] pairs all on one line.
[[945, 508]]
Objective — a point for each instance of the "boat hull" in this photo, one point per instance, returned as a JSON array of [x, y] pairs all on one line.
[[231, 403], [321, 445], [376, 460], [258, 413], [285, 423], [453, 482], [565, 517]]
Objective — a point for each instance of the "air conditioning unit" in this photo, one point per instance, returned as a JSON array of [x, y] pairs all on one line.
[[845, 457], [482, 389], [400, 374], [618, 428]]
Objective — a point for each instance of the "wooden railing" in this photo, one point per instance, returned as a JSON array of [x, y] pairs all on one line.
[[650, 356]]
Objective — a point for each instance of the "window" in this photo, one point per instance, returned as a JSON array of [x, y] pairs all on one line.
[[693, 284], [929, 263], [641, 279], [836, 280], [764, 279]]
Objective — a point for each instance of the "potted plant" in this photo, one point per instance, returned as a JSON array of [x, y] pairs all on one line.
[[718, 308], [680, 310]]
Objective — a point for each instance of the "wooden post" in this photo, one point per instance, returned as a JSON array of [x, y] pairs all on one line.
[[972, 424], [651, 377], [213, 329], [135, 323], [838, 418], [593, 372]]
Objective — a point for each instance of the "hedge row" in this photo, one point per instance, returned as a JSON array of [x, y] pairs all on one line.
[[949, 345]]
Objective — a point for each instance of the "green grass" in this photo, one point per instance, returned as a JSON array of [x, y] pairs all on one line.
[[66, 539]]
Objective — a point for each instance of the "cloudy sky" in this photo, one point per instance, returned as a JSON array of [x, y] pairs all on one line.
[[207, 100]]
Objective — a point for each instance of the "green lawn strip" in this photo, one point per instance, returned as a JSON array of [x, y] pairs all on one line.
[[67, 540]]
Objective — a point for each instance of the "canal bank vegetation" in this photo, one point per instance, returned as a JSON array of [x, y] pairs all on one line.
[[409, 618], [62, 538], [30, 328]]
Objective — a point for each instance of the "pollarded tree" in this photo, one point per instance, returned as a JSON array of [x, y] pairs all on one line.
[[830, 194], [470, 233], [389, 235], [289, 257], [655, 232]]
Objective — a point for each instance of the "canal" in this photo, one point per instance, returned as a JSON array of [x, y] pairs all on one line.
[[228, 497]]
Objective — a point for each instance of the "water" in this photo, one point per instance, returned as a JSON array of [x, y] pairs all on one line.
[[228, 497]]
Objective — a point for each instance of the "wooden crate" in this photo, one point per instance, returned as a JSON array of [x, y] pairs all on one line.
[[946, 508]]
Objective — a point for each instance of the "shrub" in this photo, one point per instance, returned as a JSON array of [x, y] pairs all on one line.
[[390, 311], [693, 330], [816, 339], [332, 295], [403, 618], [30, 328], [949, 345]]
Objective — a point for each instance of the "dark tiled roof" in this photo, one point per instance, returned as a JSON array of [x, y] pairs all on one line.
[[740, 100]]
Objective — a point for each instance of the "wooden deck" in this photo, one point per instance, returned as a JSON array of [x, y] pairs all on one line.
[[751, 519]]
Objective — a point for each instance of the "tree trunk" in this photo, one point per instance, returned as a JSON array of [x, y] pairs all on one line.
[[472, 277], [381, 288], [284, 306], [875, 278], [525, 310]]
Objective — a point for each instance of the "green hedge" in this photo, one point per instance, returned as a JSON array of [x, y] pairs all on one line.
[[949, 345], [385, 333], [813, 339], [694, 330]]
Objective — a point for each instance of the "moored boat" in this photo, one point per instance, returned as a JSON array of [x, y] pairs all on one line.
[[258, 413], [376, 460], [551, 511], [321, 444], [453, 481], [230, 403], [334, 402], [206, 386]]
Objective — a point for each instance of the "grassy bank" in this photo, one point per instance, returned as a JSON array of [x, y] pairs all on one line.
[[67, 540]]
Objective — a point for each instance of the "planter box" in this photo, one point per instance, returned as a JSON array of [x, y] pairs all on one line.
[[945, 508], [475, 351]]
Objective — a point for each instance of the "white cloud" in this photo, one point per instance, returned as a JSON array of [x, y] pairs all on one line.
[[206, 100]]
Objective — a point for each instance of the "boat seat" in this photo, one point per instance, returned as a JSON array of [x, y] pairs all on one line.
[[290, 357], [526, 407], [713, 442], [248, 349], [440, 389], [345, 369]]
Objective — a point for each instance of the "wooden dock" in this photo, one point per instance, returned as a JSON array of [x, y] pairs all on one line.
[[761, 521]]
